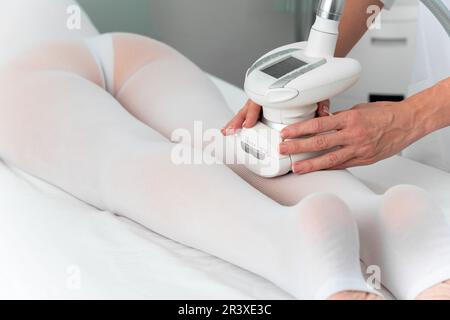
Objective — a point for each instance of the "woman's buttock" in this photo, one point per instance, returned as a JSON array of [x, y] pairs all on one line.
[[71, 56], [108, 60], [132, 52]]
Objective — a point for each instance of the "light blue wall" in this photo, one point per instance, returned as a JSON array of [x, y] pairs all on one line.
[[120, 15], [223, 37]]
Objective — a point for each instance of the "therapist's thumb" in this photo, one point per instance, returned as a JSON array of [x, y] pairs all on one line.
[[246, 118], [323, 109]]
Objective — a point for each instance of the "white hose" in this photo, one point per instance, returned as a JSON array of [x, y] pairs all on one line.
[[440, 11]]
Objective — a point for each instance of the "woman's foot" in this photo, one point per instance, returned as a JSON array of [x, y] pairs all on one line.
[[438, 292], [355, 295]]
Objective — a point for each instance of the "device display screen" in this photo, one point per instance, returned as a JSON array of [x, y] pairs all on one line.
[[284, 67]]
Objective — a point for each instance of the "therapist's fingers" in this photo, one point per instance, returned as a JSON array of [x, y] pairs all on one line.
[[314, 126], [320, 142], [325, 162], [349, 164], [235, 123], [248, 116], [253, 113]]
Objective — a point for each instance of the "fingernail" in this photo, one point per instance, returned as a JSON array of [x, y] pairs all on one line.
[[284, 134], [228, 131], [297, 168], [244, 125], [284, 148], [326, 109]]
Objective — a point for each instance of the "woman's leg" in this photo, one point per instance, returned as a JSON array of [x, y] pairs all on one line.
[[411, 241], [167, 92], [58, 123]]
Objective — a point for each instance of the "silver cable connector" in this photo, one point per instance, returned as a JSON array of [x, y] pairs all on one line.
[[331, 9]]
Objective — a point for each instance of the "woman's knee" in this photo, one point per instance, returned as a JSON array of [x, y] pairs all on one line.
[[324, 213], [405, 198], [406, 205]]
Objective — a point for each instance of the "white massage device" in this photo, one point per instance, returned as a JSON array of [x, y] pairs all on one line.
[[289, 82]]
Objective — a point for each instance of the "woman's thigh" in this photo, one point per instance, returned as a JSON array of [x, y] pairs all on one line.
[[168, 92]]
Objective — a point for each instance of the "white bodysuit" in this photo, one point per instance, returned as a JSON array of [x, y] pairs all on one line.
[[95, 116]]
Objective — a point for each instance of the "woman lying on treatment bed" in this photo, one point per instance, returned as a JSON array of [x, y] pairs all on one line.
[[95, 117]]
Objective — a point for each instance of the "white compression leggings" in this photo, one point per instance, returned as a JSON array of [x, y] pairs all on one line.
[[94, 118]]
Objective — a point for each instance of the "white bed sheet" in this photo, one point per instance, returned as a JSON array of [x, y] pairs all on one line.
[[53, 246]]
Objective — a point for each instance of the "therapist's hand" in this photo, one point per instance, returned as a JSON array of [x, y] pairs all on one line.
[[361, 136], [250, 113], [246, 118]]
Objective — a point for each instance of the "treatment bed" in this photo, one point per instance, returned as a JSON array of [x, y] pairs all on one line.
[[53, 246]]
